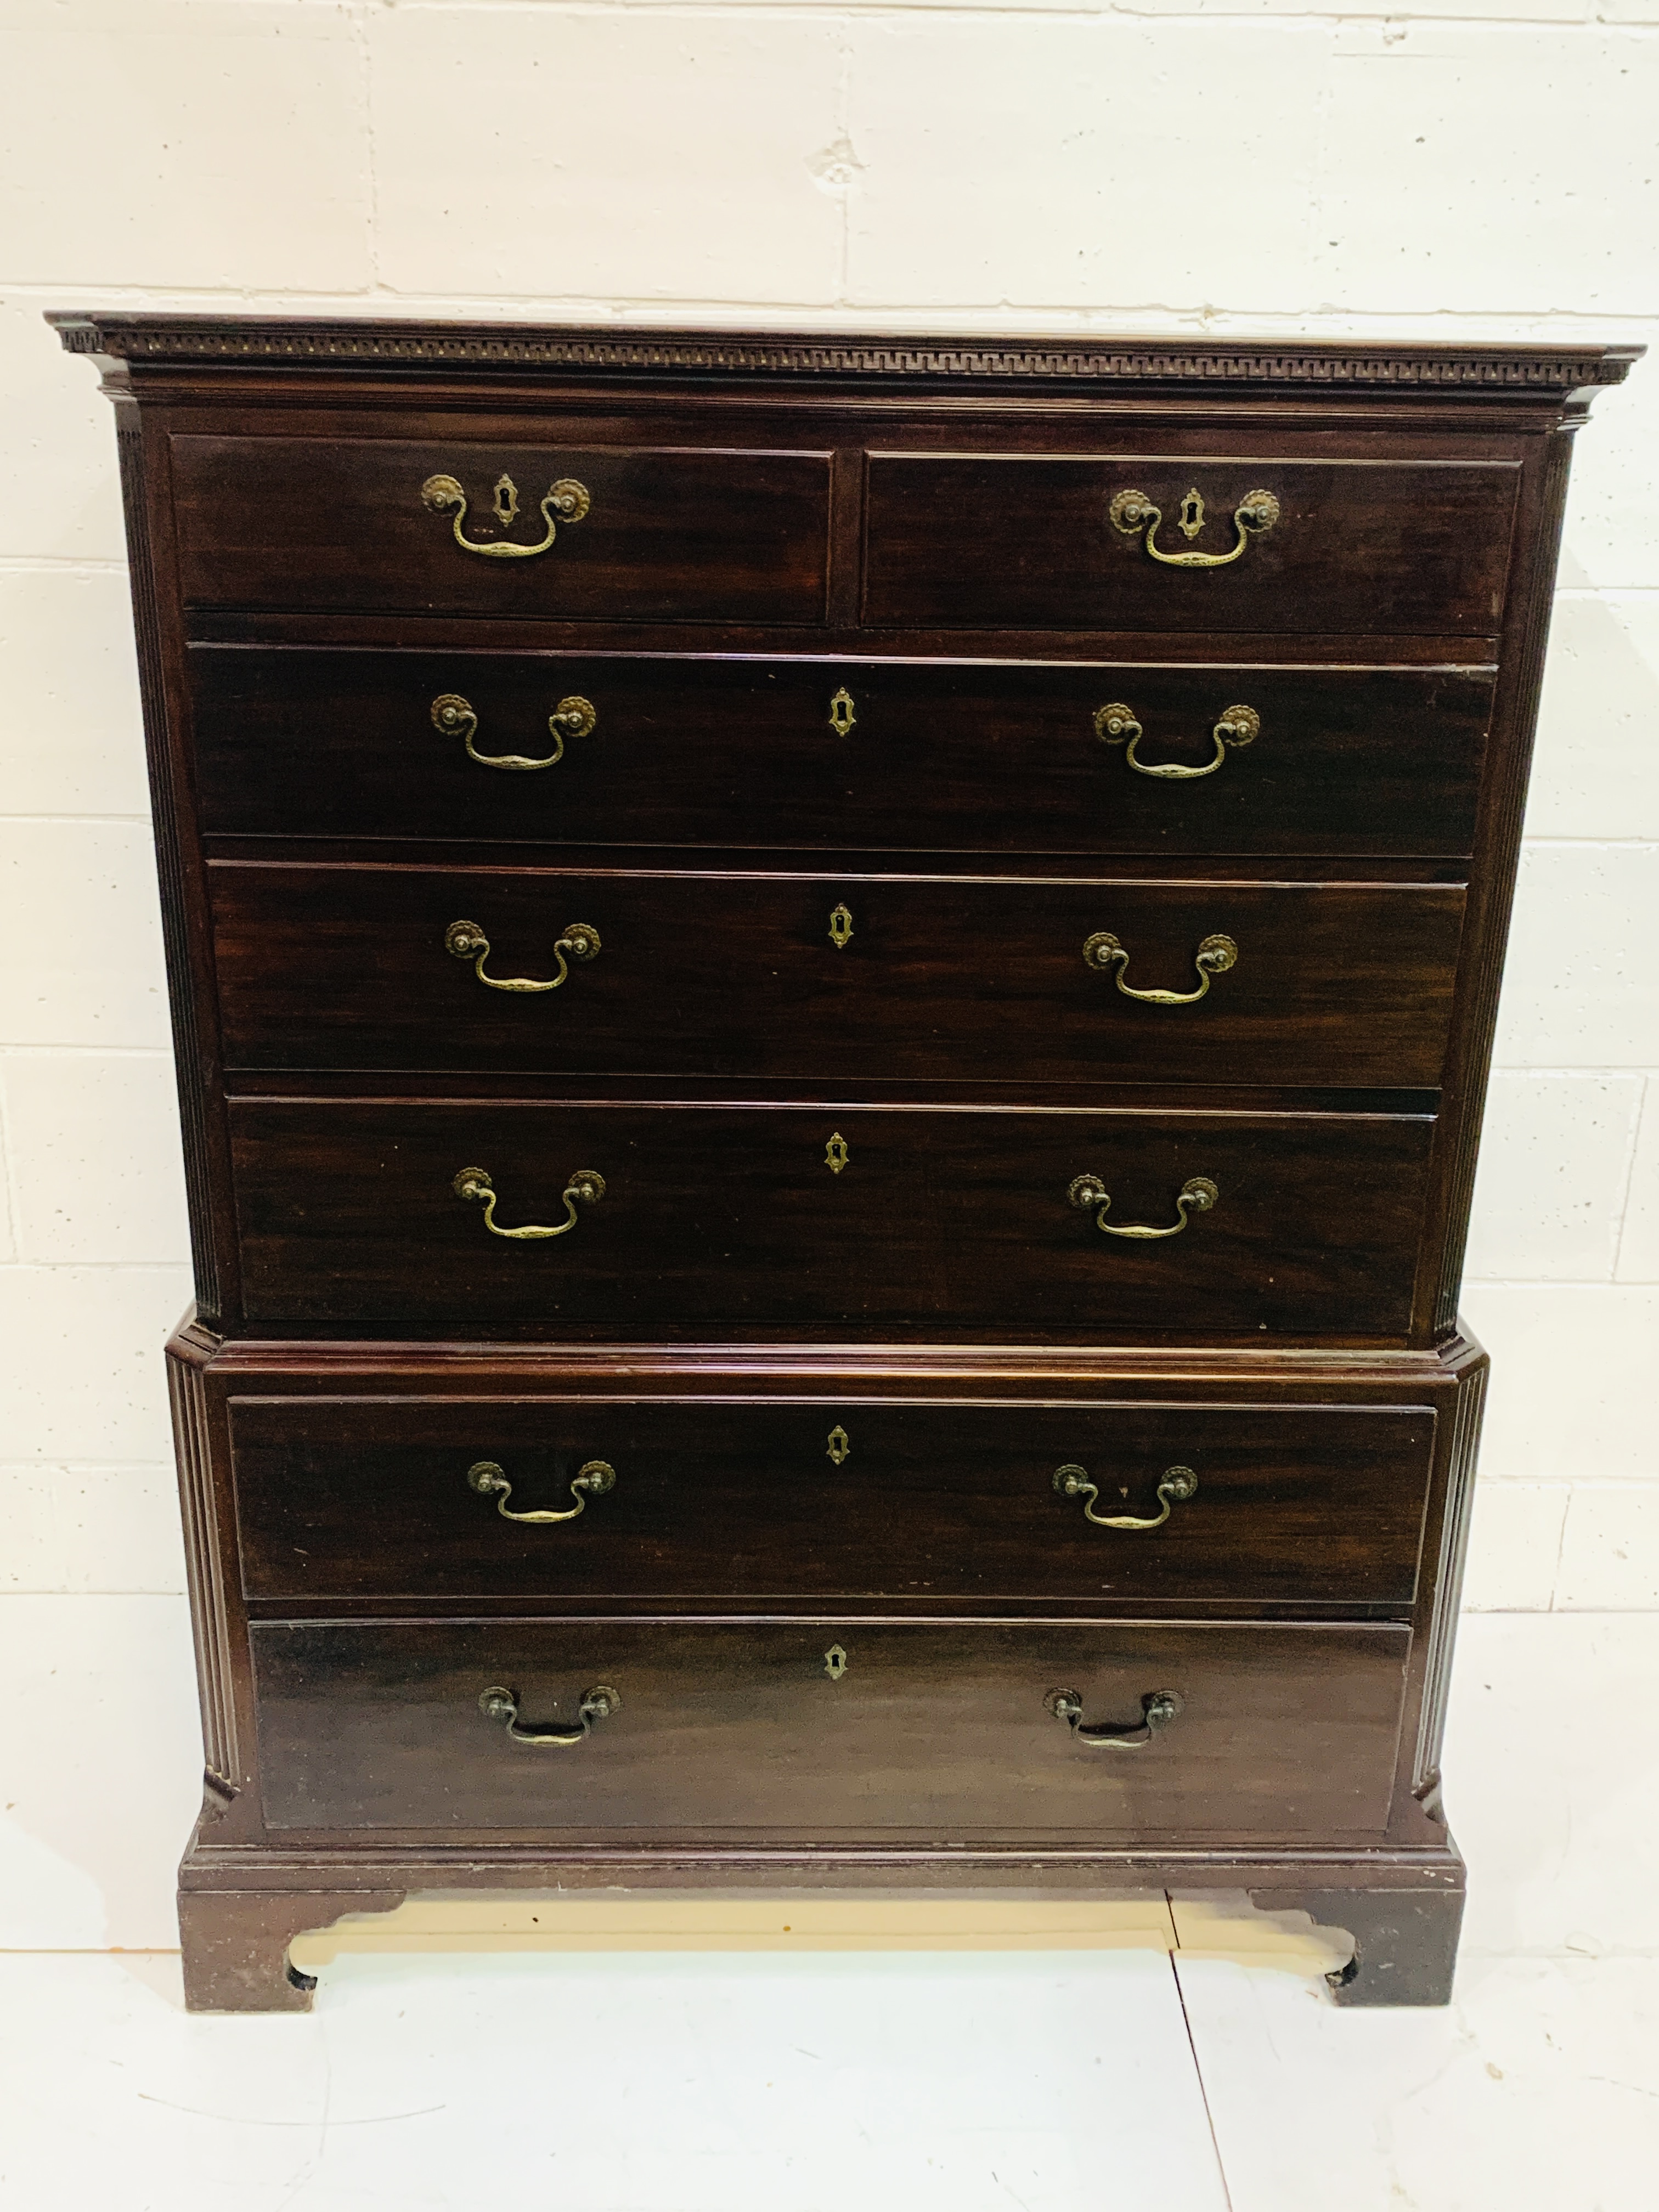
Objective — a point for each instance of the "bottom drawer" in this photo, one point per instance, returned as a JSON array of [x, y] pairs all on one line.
[[832, 1731]]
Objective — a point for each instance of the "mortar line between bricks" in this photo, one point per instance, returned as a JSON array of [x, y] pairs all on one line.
[[1287, 325]]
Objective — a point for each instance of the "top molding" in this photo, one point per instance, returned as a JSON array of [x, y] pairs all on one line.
[[265, 341]]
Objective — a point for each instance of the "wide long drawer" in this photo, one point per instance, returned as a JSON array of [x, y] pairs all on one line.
[[864, 756], [1148, 542], [383, 1212], [835, 978], [645, 532], [829, 1730], [455, 1498]]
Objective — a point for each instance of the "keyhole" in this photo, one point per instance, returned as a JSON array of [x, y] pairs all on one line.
[[506, 501], [840, 1444], [841, 717], [840, 926], [834, 1663], [1192, 515], [835, 1154]]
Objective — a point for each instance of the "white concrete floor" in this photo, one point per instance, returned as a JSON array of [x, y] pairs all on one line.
[[1050, 2080]]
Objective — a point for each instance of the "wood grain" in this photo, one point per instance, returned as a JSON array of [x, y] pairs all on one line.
[[721, 1215], [990, 539], [933, 1732], [342, 1499], [292, 522], [726, 976], [962, 757]]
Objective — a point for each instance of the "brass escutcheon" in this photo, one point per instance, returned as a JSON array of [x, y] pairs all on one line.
[[840, 1447], [834, 1663], [840, 926], [841, 717], [565, 501], [835, 1154], [1132, 513]]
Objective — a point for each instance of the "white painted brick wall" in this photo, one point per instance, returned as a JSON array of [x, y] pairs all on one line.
[[1485, 168]]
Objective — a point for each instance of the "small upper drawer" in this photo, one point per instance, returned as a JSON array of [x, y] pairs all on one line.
[[866, 755], [437, 1498], [982, 542], [617, 532]]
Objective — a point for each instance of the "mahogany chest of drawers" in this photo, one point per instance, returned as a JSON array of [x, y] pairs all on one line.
[[832, 1001]]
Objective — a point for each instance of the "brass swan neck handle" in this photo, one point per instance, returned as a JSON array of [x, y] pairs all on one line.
[[574, 717], [1213, 957], [565, 501], [490, 1481], [502, 1706], [1175, 1485], [1196, 1195], [580, 940], [585, 1185], [1158, 1709], [1132, 513], [1237, 725]]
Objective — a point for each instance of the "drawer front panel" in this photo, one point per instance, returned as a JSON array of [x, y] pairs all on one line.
[[972, 541], [844, 979], [933, 1734], [971, 758], [1310, 1505], [668, 534], [349, 1214]]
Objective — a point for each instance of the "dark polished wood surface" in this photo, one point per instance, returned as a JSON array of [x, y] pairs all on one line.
[[299, 523], [849, 1498], [966, 542], [718, 751], [933, 1735], [926, 525], [349, 1214], [346, 967]]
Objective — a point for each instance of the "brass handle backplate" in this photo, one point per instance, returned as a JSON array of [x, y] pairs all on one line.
[[1197, 1195], [1214, 957], [585, 1185], [1158, 1709], [1175, 1485], [502, 1705], [567, 500], [580, 940], [490, 1481], [1238, 726], [574, 717], [1132, 513]]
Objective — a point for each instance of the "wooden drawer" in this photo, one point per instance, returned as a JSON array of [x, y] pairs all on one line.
[[935, 1734], [834, 978], [987, 542], [971, 757], [668, 534], [349, 1214], [1312, 1504]]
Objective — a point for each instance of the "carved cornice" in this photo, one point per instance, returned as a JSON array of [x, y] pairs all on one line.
[[260, 343]]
